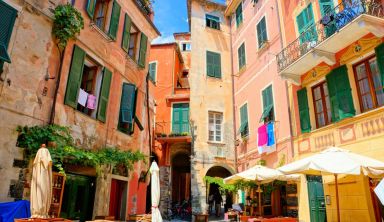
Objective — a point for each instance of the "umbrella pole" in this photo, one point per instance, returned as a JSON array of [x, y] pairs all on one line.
[[337, 198], [261, 214]]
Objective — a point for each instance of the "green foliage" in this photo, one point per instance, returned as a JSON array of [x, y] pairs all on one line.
[[32, 137], [219, 181], [64, 151], [172, 134], [68, 23], [243, 184]]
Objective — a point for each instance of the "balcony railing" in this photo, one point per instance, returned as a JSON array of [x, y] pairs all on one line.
[[166, 129], [331, 23]]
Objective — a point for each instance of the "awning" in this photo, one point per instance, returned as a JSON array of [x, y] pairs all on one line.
[[214, 18], [4, 54], [266, 112]]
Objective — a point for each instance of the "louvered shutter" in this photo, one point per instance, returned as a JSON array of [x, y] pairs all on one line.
[[104, 95], [127, 105], [126, 33], [305, 122], [91, 8], [115, 17], [380, 61], [7, 21], [143, 50], [74, 77], [210, 67]]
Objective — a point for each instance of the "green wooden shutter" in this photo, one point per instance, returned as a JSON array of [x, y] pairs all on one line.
[[213, 61], [127, 105], [185, 118], [241, 56], [340, 94], [209, 61], [115, 17], [180, 118], [104, 95], [261, 32], [239, 15], [152, 71], [74, 77], [217, 65], [143, 50], [305, 122], [91, 8], [380, 61], [7, 21], [126, 33], [244, 120], [305, 24]]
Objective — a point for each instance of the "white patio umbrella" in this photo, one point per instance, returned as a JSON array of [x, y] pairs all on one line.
[[261, 175], [155, 192], [41, 184], [336, 161]]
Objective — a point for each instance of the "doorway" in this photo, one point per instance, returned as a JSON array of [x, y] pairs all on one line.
[[316, 198], [118, 199], [213, 190], [181, 177], [79, 196]]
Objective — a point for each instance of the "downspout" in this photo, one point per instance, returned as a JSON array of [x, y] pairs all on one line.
[[285, 82], [233, 97], [148, 119], [53, 109]]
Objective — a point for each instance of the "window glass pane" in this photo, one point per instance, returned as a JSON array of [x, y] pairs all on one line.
[[320, 119], [364, 86], [361, 71], [367, 102], [319, 106], [317, 93]]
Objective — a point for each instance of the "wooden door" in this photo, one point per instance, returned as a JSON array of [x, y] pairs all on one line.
[[316, 199]]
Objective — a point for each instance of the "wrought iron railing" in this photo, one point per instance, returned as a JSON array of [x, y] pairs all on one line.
[[329, 24], [145, 6], [167, 129]]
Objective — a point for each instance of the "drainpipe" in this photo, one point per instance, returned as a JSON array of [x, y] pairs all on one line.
[[285, 82], [148, 119], [53, 109], [233, 96]]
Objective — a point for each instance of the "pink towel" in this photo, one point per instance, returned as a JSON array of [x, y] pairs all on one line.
[[91, 101], [262, 135]]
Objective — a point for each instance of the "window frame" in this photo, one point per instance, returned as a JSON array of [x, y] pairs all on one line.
[[324, 104], [212, 20], [238, 57], [238, 24], [262, 44], [248, 125], [273, 102], [186, 43], [206, 60], [372, 89], [215, 113], [153, 80]]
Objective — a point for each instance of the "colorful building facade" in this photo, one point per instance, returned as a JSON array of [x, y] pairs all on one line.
[[108, 61], [211, 101], [333, 59]]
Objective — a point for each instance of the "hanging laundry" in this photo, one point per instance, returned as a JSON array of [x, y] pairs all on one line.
[[91, 102], [262, 138], [271, 144], [83, 96]]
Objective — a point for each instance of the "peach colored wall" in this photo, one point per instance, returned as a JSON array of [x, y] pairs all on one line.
[[260, 72], [184, 37]]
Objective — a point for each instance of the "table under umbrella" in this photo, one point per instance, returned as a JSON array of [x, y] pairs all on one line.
[[336, 161]]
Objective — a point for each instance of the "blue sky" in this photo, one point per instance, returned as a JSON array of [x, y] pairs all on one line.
[[170, 17]]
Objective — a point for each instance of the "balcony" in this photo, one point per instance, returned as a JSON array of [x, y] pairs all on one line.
[[346, 23], [145, 6], [165, 132]]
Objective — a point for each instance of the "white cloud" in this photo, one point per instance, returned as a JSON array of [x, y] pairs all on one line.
[[163, 39]]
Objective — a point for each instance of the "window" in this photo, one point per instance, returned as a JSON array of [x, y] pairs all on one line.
[[305, 24], [239, 15], [105, 15], [127, 114], [131, 43], [132, 49], [180, 118], [88, 86], [302, 99], [244, 129], [215, 127], [213, 64], [321, 104], [262, 32], [241, 56], [268, 111], [186, 46], [152, 71], [369, 84], [212, 22], [7, 21]]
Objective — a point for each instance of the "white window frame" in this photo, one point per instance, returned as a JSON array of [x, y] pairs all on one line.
[[185, 42], [215, 113]]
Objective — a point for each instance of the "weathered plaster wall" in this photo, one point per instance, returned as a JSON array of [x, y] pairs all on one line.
[[209, 94]]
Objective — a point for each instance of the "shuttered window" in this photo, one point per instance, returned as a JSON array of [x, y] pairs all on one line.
[[114, 23], [380, 61], [261, 32], [305, 122], [244, 129], [268, 113], [143, 50], [152, 69], [74, 77], [91, 4], [305, 23], [104, 95], [212, 21], [180, 118], [239, 15], [340, 95], [127, 108], [215, 126], [7, 21], [126, 33], [241, 56], [213, 64]]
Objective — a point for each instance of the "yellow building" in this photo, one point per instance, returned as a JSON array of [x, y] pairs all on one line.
[[334, 61]]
